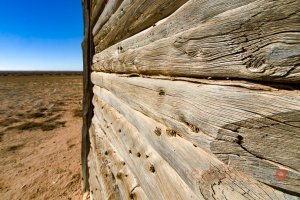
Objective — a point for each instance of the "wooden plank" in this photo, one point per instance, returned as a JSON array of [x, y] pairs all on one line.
[[155, 176], [133, 17], [110, 7], [93, 182], [195, 166], [124, 178], [189, 15], [88, 52], [239, 116], [268, 172], [229, 45], [102, 180], [100, 186], [97, 8]]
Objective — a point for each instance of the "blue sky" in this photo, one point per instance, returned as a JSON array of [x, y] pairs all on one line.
[[41, 35]]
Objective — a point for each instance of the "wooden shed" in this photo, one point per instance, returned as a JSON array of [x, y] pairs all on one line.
[[191, 99]]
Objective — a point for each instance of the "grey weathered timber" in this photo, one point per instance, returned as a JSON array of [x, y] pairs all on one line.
[[112, 172], [88, 52], [202, 176], [133, 17], [97, 8], [241, 121], [248, 42], [186, 17], [148, 170], [108, 10], [192, 99]]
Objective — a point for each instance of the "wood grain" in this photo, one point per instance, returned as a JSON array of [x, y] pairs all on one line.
[[97, 8], [87, 107], [110, 7], [133, 17], [124, 181], [231, 116], [248, 42], [148, 170], [189, 15], [206, 174], [193, 99]]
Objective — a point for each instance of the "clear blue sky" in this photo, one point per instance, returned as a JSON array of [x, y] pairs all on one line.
[[41, 35]]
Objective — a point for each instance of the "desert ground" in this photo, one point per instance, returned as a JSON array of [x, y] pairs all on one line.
[[40, 136]]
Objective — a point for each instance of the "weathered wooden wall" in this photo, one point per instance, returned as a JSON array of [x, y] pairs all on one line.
[[192, 99]]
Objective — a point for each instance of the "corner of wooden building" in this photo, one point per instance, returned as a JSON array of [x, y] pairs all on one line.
[[191, 99]]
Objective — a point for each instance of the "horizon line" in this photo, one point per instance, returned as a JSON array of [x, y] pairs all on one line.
[[41, 70]]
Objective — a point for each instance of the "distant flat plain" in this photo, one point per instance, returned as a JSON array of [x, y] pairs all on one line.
[[40, 125]]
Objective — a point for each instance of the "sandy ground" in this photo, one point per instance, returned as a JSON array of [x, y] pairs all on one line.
[[40, 129]]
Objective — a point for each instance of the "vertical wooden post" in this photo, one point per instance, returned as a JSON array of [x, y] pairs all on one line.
[[88, 51]]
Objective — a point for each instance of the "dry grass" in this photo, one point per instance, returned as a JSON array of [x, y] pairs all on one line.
[[44, 126], [15, 147], [37, 115], [77, 112], [8, 121]]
